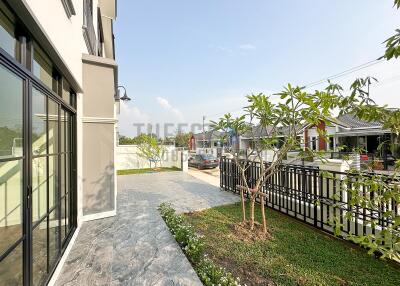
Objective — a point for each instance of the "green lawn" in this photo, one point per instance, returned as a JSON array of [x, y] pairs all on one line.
[[147, 170], [296, 254]]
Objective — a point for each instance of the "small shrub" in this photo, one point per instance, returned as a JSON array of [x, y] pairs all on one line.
[[193, 246], [211, 274]]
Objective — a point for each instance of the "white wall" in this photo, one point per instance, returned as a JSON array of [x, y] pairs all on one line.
[[65, 33], [128, 158]]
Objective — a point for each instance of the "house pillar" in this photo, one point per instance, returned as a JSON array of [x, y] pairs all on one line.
[[306, 139], [321, 140]]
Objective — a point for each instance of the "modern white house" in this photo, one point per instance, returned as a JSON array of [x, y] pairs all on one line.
[[58, 92]]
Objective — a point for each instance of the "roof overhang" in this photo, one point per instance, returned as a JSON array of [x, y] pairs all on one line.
[[362, 132]]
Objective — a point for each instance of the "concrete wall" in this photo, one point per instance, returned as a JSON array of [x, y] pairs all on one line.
[[98, 170], [128, 157]]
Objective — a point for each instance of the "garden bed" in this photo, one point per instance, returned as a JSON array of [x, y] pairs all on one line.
[[295, 254], [147, 170]]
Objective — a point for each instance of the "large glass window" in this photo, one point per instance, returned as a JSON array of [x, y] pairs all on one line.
[[8, 41], [10, 114], [11, 268], [42, 67], [66, 91], [10, 203], [35, 171], [11, 177], [39, 253], [39, 118]]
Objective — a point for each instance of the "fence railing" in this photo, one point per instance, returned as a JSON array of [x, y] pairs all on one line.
[[316, 197]]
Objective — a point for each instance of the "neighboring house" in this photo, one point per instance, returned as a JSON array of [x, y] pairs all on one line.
[[312, 139], [349, 131], [58, 81], [208, 139], [356, 133], [257, 132], [345, 130]]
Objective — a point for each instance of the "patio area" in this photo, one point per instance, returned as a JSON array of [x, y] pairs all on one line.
[[136, 247]]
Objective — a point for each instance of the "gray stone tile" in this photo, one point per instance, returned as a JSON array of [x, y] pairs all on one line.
[[135, 247]]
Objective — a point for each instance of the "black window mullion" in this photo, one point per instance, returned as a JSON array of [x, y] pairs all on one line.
[[47, 184], [27, 201], [59, 177]]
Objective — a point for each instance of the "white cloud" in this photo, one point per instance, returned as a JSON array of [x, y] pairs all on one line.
[[129, 117], [224, 49], [167, 106], [247, 47]]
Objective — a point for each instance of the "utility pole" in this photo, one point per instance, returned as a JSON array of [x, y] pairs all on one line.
[[204, 133]]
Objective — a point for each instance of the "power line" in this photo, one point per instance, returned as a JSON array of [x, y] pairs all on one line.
[[324, 80], [346, 72]]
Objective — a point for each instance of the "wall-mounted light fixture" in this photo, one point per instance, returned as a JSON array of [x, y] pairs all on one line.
[[125, 97]]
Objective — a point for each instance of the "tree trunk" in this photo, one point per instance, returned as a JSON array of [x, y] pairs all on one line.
[[263, 215], [253, 198], [243, 205]]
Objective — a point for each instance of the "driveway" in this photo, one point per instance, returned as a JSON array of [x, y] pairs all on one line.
[[135, 247], [211, 176]]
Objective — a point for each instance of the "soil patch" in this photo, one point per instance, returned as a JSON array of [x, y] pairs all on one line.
[[243, 232]]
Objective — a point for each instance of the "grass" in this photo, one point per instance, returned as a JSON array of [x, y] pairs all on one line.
[[147, 170], [296, 254]]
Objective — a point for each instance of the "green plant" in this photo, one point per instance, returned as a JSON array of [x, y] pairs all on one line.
[[151, 149], [193, 246], [297, 254], [375, 165], [297, 108], [125, 140], [211, 274], [182, 139], [393, 43]]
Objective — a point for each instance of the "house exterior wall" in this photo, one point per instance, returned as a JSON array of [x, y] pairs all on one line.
[[65, 33], [98, 125], [321, 144], [98, 171], [94, 79], [96, 102]]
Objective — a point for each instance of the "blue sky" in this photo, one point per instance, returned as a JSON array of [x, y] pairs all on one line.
[[184, 59]]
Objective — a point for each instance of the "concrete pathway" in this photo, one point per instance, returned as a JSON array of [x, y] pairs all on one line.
[[210, 176], [136, 247]]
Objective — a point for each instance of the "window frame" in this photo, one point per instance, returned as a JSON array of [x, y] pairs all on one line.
[[23, 69], [69, 8]]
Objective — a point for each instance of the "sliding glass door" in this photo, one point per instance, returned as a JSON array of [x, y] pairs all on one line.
[[37, 178], [12, 191]]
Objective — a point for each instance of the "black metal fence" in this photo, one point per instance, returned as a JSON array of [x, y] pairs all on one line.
[[319, 198]]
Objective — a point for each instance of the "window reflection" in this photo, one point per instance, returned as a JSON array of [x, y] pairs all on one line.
[[8, 41], [39, 253], [11, 268], [53, 127], [53, 181], [39, 138], [10, 114], [42, 67], [39, 188], [66, 91], [10, 203], [54, 235]]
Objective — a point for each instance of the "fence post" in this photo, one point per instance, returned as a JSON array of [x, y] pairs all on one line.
[[315, 197]]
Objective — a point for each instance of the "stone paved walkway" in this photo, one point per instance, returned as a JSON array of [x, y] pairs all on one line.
[[135, 247]]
